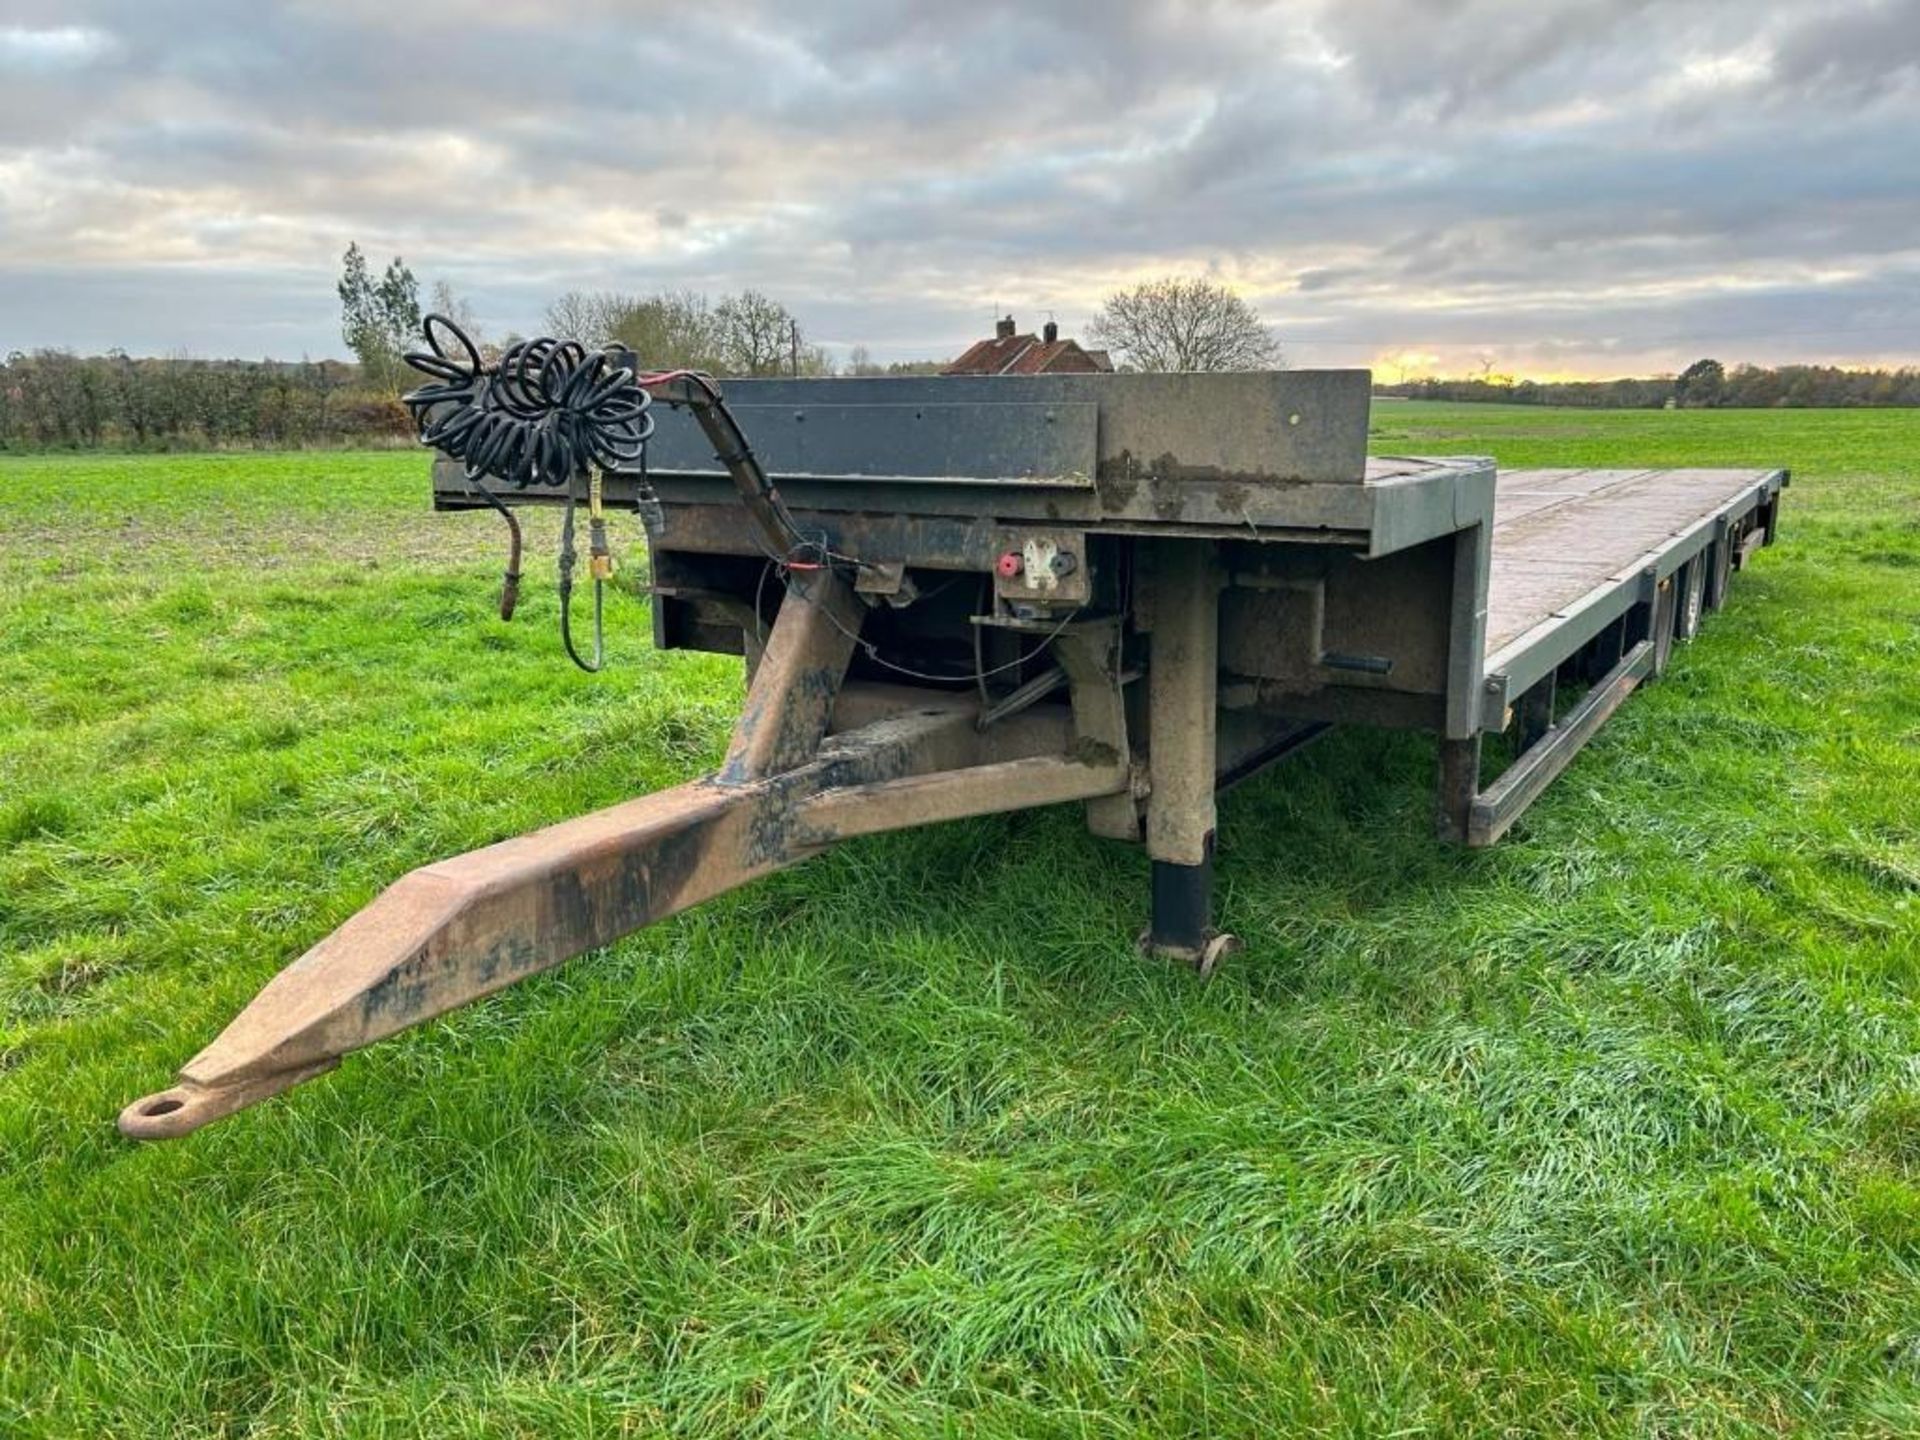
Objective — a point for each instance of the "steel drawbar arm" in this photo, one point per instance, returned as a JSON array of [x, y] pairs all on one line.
[[459, 929]]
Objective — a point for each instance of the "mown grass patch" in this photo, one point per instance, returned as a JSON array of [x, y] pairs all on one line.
[[1615, 1128]]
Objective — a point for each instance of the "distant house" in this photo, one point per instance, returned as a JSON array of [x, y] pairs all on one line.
[[1009, 353]]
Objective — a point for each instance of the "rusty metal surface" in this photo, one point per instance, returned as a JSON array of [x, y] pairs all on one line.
[[1265, 451], [1091, 659], [796, 680], [871, 809], [1185, 578], [1456, 788], [689, 507], [459, 929]]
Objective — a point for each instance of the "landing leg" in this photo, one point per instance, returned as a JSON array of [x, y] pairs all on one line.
[[1182, 924], [1182, 707]]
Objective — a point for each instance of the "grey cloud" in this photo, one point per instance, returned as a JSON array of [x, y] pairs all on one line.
[[1615, 178], [1856, 50]]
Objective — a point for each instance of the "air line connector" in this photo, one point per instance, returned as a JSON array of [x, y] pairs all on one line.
[[599, 556], [599, 552]]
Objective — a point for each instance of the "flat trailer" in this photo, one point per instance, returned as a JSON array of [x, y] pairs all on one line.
[[956, 596]]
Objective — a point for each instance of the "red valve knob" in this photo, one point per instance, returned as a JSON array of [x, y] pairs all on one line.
[[1010, 565]]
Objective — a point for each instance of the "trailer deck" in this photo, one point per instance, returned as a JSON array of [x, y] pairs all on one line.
[[1572, 548], [1593, 576], [957, 596]]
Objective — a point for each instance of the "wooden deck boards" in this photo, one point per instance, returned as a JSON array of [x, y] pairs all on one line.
[[1561, 534]]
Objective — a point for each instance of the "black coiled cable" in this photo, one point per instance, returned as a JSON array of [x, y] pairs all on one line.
[[544, 413], [548, 412]]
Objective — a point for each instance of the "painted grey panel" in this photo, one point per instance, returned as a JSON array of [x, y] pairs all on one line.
[[1287, 425], [1050, 444]]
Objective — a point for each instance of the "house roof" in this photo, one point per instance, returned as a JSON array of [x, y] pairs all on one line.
[[1028, 355]]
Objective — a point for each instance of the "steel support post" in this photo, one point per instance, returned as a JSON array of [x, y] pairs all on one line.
[[1533, 716], [1091, 661], [1459, 787], [790, 699], [1183, 706]]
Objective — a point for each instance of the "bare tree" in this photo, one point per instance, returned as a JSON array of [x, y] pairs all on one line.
[[756, 334], [443, 300], [674, 329], [744, 334], [588, 316], [1176, 324]]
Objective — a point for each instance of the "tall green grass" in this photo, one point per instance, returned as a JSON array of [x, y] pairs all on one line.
[[1614, 1129]]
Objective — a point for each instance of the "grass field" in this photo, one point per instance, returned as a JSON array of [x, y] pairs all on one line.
[[1613, 1129]]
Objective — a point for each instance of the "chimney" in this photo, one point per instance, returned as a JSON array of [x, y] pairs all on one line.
[[1003, 328], [1050, 333]]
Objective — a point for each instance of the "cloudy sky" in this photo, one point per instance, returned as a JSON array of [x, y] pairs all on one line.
[[1541, 186]]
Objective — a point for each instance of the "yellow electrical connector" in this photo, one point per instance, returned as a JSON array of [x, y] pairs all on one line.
[[599, 553]]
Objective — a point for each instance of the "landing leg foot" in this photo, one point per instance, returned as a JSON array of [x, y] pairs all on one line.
[[1218, 948], [1182, 906], [1182, 924]]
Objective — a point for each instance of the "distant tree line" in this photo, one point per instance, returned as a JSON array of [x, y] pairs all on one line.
[[56, 399], [53, 399], [1703, 385], [744, 334], [860, 362]]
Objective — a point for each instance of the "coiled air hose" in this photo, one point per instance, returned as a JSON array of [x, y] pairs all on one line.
[[549, 412], [544, 414]]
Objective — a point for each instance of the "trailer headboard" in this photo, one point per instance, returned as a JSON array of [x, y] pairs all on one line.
[[1287, 425]]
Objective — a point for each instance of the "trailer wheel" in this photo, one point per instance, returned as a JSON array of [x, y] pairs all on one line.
[[1693, 596]]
